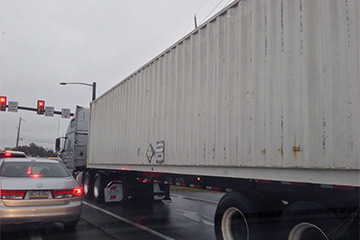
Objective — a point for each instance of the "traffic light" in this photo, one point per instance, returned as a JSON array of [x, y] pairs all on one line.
[[40, 107], [2, 103]]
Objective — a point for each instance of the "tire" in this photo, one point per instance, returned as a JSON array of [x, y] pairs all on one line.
[[87, 181], [236, 217], [307, 220], [98, 188]]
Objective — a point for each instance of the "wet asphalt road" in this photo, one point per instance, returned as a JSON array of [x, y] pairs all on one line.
[[188, 215]]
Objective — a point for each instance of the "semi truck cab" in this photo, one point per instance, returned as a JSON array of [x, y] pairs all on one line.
[[73, 147]]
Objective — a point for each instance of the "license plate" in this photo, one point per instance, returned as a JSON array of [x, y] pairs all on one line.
[[38, 194]]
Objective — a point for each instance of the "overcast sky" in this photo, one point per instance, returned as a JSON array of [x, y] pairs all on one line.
[[43, 43]]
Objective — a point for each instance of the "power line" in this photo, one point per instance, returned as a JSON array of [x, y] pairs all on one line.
[[212, 11], [196, 12], [37, 141], [29, 138], [201, 6]]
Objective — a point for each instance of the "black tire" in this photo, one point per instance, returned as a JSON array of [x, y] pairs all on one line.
[[237, 217], [70, 226], [307, 220], [98, 188], [87, 183]]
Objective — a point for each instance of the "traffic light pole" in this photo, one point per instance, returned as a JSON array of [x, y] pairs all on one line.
[[93, 85]]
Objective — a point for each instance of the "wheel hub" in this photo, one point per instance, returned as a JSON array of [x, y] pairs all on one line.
[[307, 231], [234, 225]]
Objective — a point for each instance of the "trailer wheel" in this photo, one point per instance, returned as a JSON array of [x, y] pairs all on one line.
[[98, 190], [236, 218], [87, 185], [307, 221]]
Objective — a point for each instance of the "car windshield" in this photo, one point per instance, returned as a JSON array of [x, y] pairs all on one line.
[[33, 169]]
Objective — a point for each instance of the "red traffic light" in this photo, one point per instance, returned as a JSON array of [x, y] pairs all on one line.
[[40, 107], [2, 103]]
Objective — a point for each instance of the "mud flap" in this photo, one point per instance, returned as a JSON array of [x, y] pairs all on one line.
[[113, 191]]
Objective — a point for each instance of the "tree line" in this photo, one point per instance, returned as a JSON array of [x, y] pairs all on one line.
[[35, 151]]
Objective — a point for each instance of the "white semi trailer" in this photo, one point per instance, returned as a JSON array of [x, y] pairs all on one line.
[[261, 102]]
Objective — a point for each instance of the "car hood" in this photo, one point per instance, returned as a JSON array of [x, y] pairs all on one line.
[[45, 183]]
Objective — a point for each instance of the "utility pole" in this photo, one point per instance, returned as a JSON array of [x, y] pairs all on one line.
[[18, 133]]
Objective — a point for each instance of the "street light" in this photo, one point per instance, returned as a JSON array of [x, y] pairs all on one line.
[[93, 85]]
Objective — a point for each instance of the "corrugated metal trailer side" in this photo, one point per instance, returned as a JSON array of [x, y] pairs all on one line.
[[265, 89]]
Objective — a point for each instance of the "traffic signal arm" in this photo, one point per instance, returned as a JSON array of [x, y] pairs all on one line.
[[35, 110], [40, 107]]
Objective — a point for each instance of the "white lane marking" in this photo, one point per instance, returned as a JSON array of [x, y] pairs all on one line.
[[160, 235], [195, 216], [193, 198]]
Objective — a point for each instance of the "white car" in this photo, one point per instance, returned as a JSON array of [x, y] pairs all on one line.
[[38, 191], [12, 154]]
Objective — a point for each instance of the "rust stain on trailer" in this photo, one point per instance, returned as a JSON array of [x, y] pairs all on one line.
[[264, 150], [281, 150], [295, 148]]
